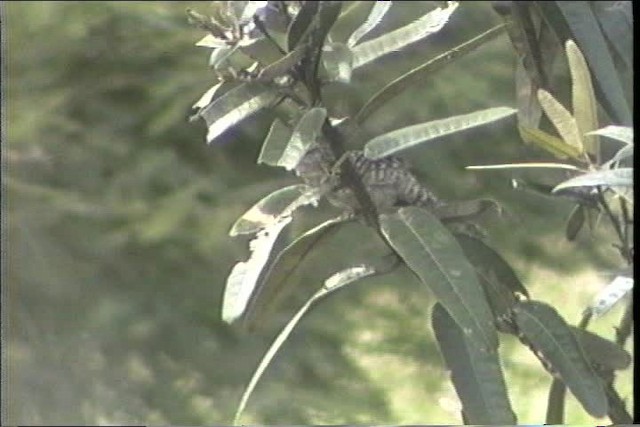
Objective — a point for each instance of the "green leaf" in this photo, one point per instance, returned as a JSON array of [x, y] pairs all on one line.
[[282, 65], [552, 144], [602, 352], [562, 119], [611, 295], [300, 23], [476, 375], [333, 283], [502, 287], [304, 135], [206, 98], [267, 210], [422, 72], [622, 177], [244, 276], [409, 136], [587, 33], [623, 153], [428, 24], [555, 403], [235, 106], [433, 254], [276, 283], [616, 21], [575, 222], [337, 59], [584, 99], [274, 144], [529, 110], [525, 166], [551, 338], [620, 133], [378, 10]]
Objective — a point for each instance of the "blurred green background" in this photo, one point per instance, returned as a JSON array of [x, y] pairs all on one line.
[[117, 214]]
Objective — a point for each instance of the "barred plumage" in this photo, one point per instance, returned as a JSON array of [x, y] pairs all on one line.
[[388, 180]]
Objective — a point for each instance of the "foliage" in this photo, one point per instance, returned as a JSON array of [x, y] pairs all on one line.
[[116, 249], [472, 302]]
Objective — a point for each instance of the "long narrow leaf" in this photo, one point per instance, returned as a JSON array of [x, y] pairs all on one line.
[[267, 210], [276, 283], [235, 106], [333, 283], [562, 119], [409, 136], [378, 10], [274, 144], [243, 278], [622, 177], [476, 375], [620, 133], [433, 254], [304, 135], [551, 143], [602, 352], [587, 33], [584, 99], [525, 165], [423, 71], [610, 295], [551, 338], [428, 24]]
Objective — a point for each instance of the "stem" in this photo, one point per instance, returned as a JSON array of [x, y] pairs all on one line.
[[624, 250], [260, 26]]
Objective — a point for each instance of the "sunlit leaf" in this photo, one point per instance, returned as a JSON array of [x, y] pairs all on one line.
[[418, 74], [476, 374], [562, 119], [378, 10], [433, 254], [267, 210], [620, 133], [551, 143], [235, 106], [621, 177], [551, 338], [277, 282], [274, 144], [502, 287], [282, 65], [304, 135], [338, 62], [219, 57], [243, 278], [211, 41], [300, 23], [610, 295], [602, 352], [409, 136], [533, 165], [333, 283], [623, 153], [588, 35], [428, 24], [575, 222], [207, 97], [584, 99]]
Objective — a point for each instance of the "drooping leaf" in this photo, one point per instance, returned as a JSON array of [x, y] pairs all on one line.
[[553, 340], [235, 106], [562, 119], [502, 287], [583, 99], [621, 177], [267, 210], [602, 352], [476, 374], [333, 283], [274, 144], [206, 98], [610, 295], [378, 10], [276, 283], [409, 136], [423, 71], [624, 153], [338, 62], [433, 254], [620, 133], [551, 143], [304, 135], [428, 24], [588, 35], [243, 278], [575, 222]]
